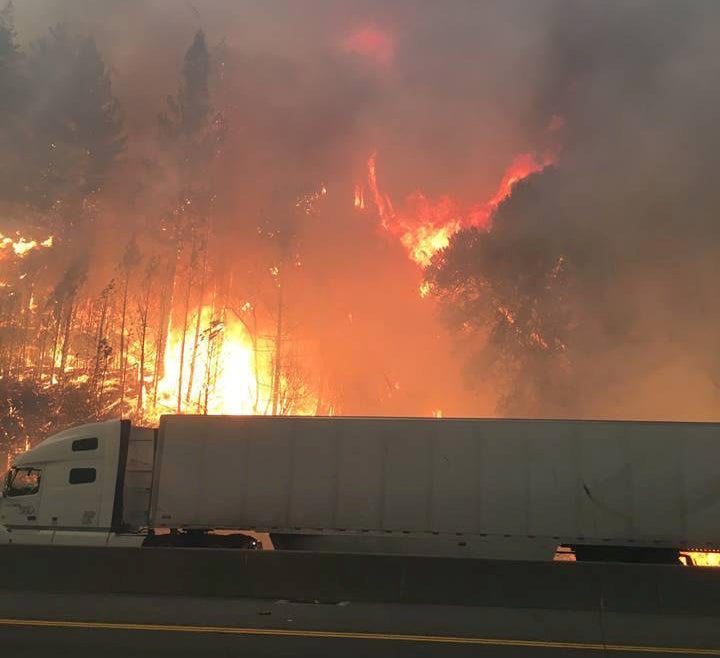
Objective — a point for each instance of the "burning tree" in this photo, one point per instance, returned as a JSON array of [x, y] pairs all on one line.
[[509, 291], [255, 241], [160, 334], [191, 137]]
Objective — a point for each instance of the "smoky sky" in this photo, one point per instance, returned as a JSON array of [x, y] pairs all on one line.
[[448, 94]]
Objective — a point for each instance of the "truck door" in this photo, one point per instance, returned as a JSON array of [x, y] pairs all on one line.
[[74, 495], [20, 507], [21, 504]]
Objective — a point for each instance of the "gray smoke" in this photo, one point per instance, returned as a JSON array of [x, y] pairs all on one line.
[[632, 206]]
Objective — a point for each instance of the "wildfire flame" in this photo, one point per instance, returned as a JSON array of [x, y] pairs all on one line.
[[226, 371], [359, 199], [425, 226], [21, 245]]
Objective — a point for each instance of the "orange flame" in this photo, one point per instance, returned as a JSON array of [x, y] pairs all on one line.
[[21, 245], [229, 372], [359, 198], [425, 226]]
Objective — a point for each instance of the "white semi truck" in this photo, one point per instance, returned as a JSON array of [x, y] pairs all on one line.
[[477, 488]]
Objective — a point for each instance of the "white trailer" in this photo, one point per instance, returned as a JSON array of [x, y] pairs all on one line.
[[492, 488]]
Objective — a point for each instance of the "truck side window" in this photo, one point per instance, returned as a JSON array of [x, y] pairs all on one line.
[[85, 444], [82, 475], [23, 482]]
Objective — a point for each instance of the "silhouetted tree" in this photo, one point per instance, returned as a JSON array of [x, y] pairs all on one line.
[[77, 124], [14, 123], [11, 83], [508, 291], [188, 113], [130, 260], [190, 134]]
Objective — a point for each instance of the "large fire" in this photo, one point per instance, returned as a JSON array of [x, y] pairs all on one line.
[[215, 363], [223, 369], [424, 226]]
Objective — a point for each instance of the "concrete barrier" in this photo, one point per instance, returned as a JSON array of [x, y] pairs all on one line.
[[372, 578]]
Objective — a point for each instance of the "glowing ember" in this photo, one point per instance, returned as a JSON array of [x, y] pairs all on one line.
[[425, 226], [307, 202], [372, 43]]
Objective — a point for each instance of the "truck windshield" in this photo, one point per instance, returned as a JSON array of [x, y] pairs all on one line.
[[22, 482]]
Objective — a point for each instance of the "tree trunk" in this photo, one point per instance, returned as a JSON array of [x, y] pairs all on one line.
[[66, 341], [143, 336], [163, 331], [58, 322], [256, 364], [196, 338], [99, 337], [186, 310], [122, 342], [27, 313], [41, 356], [278, 352], [165, 320]]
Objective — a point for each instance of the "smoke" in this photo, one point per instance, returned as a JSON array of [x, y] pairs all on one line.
[[609, 264], [636, 190], [447, 95]]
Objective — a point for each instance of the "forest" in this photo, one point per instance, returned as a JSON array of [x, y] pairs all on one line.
[[328, 212], [72, 352]]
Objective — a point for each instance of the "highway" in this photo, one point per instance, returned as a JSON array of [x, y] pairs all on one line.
[[130, 625], [103, 602]]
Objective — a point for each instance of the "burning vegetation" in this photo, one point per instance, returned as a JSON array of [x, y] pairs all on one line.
[[426, 226], [364, 210]]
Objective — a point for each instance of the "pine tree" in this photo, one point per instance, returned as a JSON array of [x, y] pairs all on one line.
[[188, 113], [78, 128], [13, 122], [94, 114], [144, 327], [130, 260], [11, 87], [188, 132]]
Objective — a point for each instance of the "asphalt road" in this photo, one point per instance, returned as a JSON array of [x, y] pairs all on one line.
[[128, 626]]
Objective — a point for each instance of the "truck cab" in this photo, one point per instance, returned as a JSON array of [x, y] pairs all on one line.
[[64, 490]]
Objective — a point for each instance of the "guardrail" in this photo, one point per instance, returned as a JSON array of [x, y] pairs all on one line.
[[328, 577]]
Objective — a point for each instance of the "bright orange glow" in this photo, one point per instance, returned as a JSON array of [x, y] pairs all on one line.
[[428, 226], [227, 373], [21, 246], [521, 167], [425, 226], [371, 43], [703, 559], [359, 198]]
